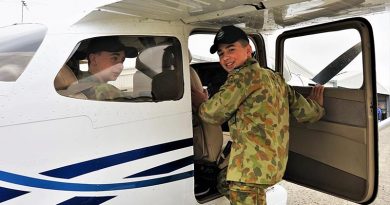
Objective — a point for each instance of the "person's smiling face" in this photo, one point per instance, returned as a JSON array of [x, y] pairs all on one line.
[[233, 55], [107, 65]]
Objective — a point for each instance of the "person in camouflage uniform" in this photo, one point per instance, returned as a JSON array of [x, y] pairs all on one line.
[[257, 104], [105, 63], [97, 90]]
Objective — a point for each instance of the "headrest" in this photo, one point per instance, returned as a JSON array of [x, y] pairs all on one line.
[[64, 78], [168, 59], [165, 86], [153, 60], [196, 83], [189, 56]]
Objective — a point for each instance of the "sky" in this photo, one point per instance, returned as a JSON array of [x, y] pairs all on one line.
[[65, 11], [381, 27], [11, 12]]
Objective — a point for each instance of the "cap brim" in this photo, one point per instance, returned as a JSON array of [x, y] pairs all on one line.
[[213, 49], [131, 52]]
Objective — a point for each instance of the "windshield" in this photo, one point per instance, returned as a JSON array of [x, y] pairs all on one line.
[[18, 44]]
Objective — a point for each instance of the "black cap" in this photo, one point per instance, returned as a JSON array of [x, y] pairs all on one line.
[[228, 34], [110, 44], [106, 43]]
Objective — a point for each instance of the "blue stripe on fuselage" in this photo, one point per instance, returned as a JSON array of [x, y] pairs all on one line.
[[64, 186], [74, 170]]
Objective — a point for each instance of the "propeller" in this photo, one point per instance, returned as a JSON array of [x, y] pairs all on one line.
[[337, 65]]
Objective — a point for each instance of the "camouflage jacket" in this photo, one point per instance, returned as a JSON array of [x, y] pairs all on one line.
[[99, 90], [257, 104]]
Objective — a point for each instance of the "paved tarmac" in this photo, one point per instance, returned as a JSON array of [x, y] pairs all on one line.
[[298, 195]]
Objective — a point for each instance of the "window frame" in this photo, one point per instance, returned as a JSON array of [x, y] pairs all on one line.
[[78, 57]]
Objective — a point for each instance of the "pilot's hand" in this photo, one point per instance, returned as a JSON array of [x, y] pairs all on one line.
[[198, 97], [317, 94]]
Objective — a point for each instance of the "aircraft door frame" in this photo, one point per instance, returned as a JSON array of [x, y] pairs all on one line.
[[327, 134]]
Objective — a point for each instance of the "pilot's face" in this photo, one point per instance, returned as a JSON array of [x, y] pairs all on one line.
[[107, 66], [233, 55]]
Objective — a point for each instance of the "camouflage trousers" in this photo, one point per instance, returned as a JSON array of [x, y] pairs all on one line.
[[240, 193]]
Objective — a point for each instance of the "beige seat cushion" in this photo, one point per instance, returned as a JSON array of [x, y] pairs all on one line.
[[142, 84], [208, 138], [65, 77]]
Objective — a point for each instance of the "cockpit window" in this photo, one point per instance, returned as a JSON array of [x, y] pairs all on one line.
[[125, 69], [18, 44]]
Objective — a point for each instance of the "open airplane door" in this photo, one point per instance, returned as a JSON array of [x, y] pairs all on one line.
[[339, 154]]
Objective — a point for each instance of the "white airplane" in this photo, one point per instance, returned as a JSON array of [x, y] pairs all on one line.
[[60, 147]]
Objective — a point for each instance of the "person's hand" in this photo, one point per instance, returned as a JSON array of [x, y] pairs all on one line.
[[317, 94], [198, 97]]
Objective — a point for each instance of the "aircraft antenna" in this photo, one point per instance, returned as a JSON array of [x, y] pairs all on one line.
[[24, 4]]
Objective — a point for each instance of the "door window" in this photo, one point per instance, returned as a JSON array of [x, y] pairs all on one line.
[[333, 59]]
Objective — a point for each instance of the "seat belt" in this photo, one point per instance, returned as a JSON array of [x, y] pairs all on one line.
[[225, 153]]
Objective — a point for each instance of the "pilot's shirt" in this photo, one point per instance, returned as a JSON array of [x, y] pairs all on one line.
[[98, 90], [257, 104]]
